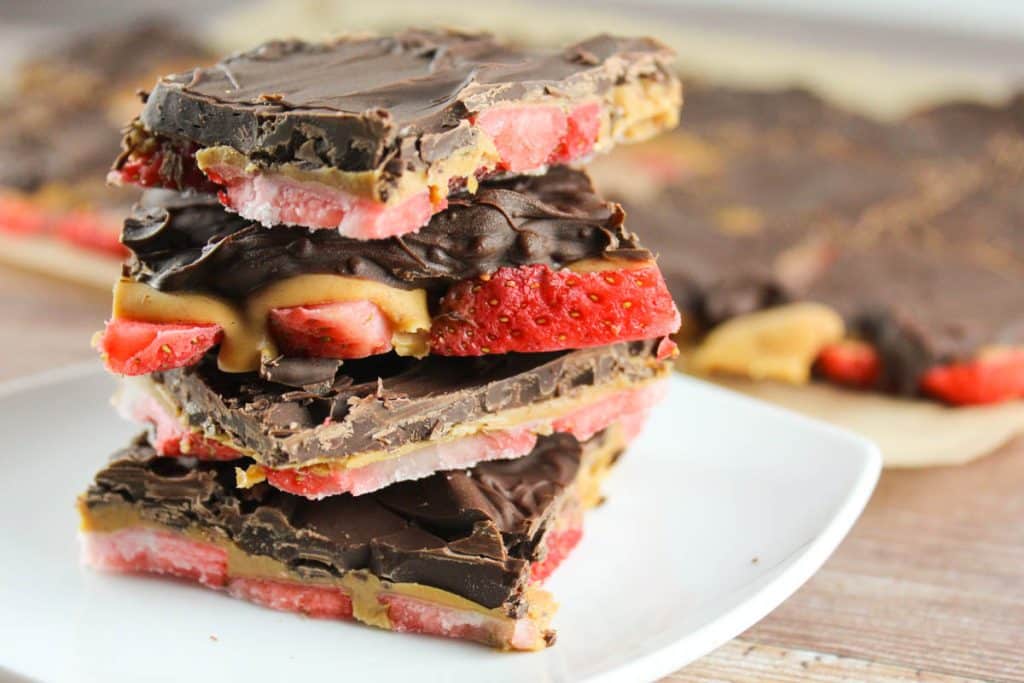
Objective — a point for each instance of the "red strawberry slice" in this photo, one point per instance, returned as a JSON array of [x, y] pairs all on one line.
[[143, 170], [584, 125], [133, 347], [851, 363], [992, 378], [345, 329], [533, 308]]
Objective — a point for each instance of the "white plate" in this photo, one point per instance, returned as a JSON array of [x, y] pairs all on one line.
[[720, 511]]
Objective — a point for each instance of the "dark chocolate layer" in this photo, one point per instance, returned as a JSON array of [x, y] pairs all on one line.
[[190, 243], [385, 402], [911, 230], [473, 533], [392, 103]]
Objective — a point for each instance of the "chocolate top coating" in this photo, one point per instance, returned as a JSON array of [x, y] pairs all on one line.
[[385, 402], [190, 243], [473, 532], [912, 230], [359, 103]]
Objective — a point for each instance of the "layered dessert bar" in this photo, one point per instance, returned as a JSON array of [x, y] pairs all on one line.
[[529, 264], [370, 136], [893, 263], [320, 428], [56, 134], [459, 554]]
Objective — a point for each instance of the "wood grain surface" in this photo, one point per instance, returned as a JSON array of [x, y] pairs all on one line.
[[929, 586]]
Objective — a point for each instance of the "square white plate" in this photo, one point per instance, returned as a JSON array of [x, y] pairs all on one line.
[[720, 511]]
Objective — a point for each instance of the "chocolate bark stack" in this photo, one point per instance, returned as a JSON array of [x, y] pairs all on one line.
[[386, 340]]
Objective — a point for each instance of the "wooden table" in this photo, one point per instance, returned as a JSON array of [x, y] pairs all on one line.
[[929, 586]]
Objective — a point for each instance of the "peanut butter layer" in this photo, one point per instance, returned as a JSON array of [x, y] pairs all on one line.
[[386, 405], [394, 115], [464, 539], [246, 340]]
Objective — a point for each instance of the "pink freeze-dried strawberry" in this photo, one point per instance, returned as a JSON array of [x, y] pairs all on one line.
[[345, 329], [140, 550], [533, 308], [528, 138], [133, 347], [321, 602]]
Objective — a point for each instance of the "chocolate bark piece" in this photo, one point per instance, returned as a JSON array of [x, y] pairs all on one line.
[[910, 229], [472, 533], [59, 128], [190, 243], [92, 68], [387, 402], [390, 104]]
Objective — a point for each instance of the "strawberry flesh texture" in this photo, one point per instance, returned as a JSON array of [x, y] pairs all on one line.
[[132, 347], [528, 138], [146, 168], [345, 329], [141, 550], [533, 309]]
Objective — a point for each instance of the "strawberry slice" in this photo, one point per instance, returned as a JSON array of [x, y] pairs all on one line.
[[147, 169], [993, 377], [851, 363], [133, 347], [345, 329], [528, 138], [525, 137], [533, 308], [584, 125]]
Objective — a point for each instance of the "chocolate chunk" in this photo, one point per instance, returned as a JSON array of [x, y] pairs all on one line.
[[473, 533], [190, 243], [315, 375]]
